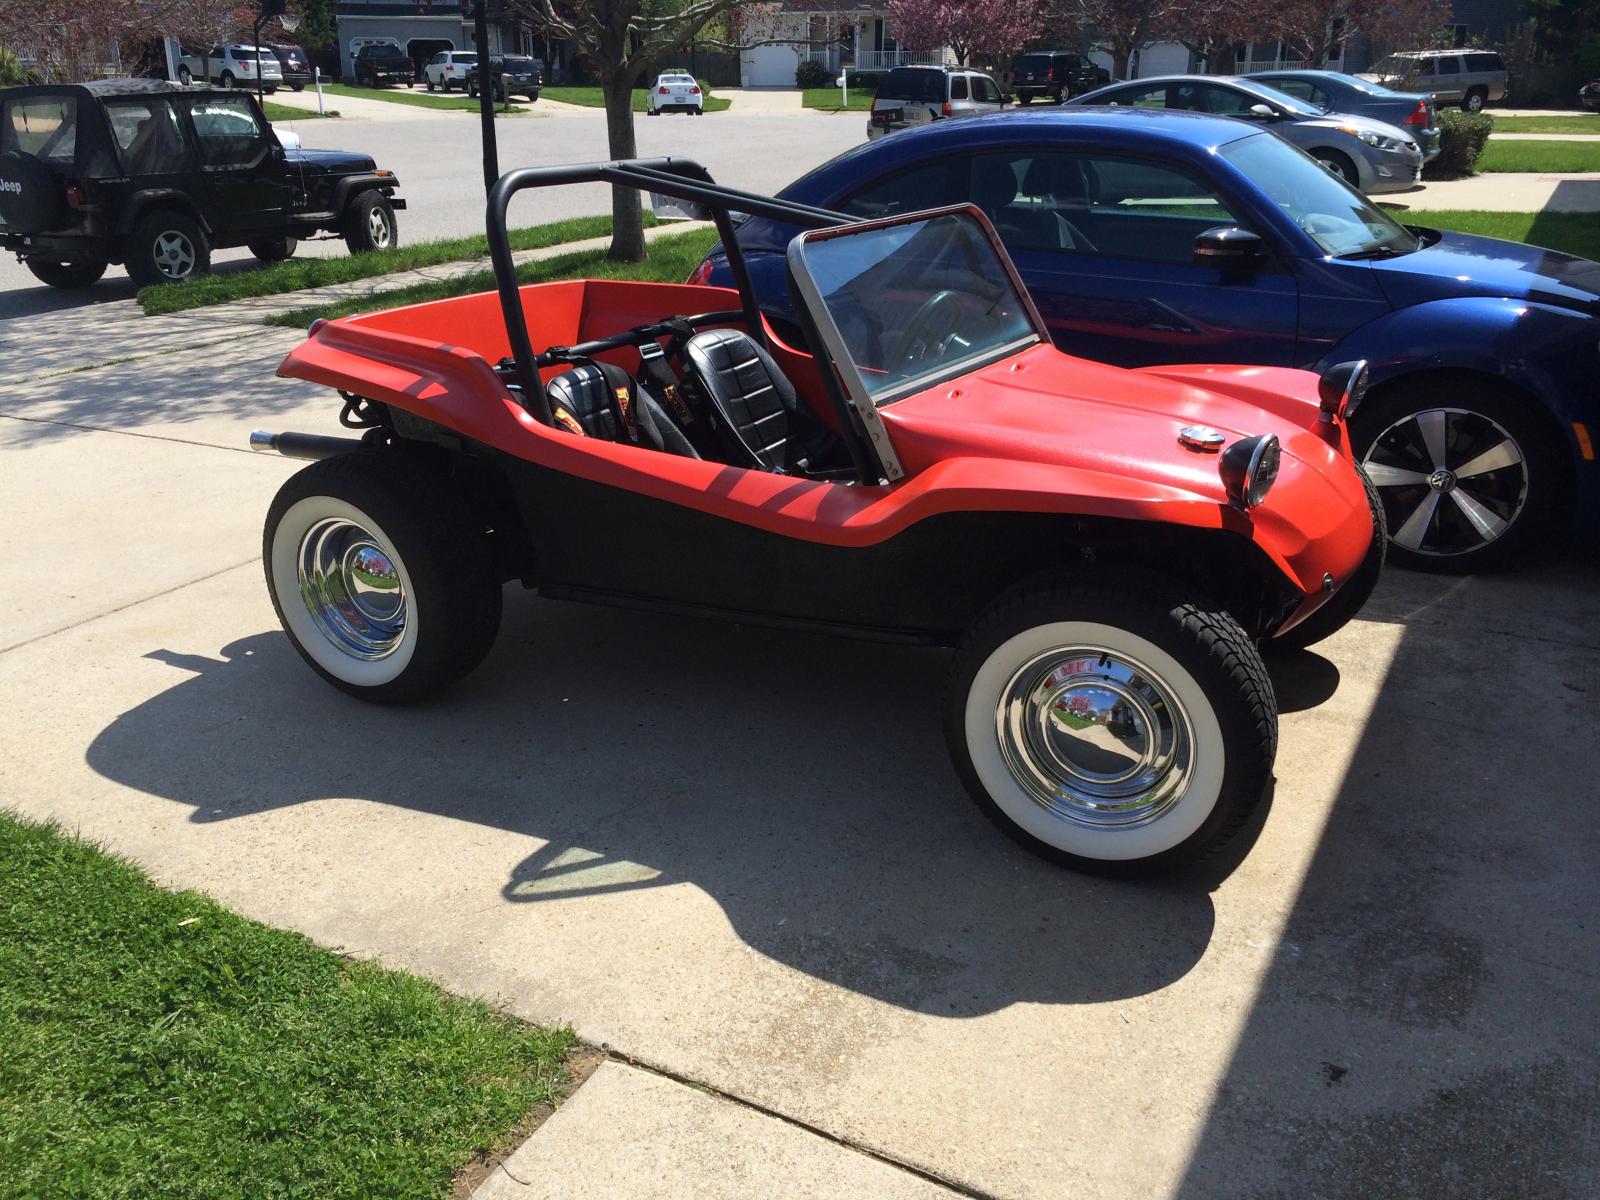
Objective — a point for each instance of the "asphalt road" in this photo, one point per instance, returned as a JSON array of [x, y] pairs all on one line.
[[438, 159]]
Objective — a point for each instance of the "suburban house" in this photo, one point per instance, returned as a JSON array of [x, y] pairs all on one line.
[[422, 28], [797, 30]]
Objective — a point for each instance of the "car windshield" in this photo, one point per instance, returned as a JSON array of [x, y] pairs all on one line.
[[385, 51], [916, 85], [1394, 65], [680, 79], [519, 64], [1338, 218], [1033, 62], [913, 303]]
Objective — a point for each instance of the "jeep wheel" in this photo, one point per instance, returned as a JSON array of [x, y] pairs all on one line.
[[66, 274], [1108, 728], [273, 250], [369, 223], [380, 577], [166, 247]]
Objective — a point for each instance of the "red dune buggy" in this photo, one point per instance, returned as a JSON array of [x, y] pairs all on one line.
[[1103, 548]]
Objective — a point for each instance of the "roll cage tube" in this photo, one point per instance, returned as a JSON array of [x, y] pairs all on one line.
[[680, 178]]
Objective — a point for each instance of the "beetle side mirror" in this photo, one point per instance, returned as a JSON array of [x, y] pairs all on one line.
[[1228, 246], [1264, 112]]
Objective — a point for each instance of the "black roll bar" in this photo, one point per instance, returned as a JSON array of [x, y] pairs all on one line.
[[679, 178]]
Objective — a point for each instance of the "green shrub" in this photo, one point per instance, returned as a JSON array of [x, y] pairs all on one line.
[[865, 79], [1462, 137], [812, 74], [12, 72]]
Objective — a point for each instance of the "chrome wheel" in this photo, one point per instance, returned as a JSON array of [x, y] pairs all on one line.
[[352, 589], [1095, 737], [173, 254], [1452, 480], [378, 229]]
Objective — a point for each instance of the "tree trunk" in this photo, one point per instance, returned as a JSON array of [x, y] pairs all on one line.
[[627, 218], [1119, 62]]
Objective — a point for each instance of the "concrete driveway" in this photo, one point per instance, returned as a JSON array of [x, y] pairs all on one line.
[[741, 856]]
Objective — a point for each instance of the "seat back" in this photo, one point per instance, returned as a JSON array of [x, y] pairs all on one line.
[[755, 404], [605, 402]]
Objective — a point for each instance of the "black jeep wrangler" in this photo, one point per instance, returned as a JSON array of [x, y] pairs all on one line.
[[155, 176]]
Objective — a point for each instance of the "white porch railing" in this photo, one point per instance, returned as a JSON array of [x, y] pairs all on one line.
[[835, 57], [1248, 65]]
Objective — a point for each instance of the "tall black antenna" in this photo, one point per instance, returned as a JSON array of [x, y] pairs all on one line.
[[486, 91]]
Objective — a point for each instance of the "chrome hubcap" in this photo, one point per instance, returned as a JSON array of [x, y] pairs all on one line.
[[1095, 738], [1451, 480], [352, 589], [378, 227], [174, 254]]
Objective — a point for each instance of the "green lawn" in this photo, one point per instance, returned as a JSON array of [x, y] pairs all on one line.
[[670, 260], [1543, 157], [1573, 233], [1589, 124], [299, 273], [593, 97], [418, 97], [826, 99], [287, 112], [152, 1043]]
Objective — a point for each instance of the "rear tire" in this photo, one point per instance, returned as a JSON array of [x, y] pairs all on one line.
[[361, 223], [380, 576], [1474, 100], [271, 250], [297, 87], [166, 247], [1349, 600], [68, 276], [1110, 729]]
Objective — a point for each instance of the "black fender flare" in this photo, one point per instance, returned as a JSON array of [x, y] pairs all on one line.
[[354, 185], [144, 201]]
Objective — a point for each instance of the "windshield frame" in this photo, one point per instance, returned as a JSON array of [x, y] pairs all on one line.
[[862, 398]]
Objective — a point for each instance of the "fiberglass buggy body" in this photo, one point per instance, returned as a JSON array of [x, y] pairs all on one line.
[[1103, 548]]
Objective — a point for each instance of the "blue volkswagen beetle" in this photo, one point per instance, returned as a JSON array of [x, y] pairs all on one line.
[[1152, 238]]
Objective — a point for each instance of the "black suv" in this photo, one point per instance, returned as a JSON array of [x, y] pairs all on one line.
[[518, 76], [1057, 74], [383, 62], [154, 176]]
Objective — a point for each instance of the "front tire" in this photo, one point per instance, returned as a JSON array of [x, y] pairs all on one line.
[[68, 276], [369, 223], [1108, 729], [1469, 475], [166, 247], [1474, 100], [227, 80], [1341, 165], [381, 578]]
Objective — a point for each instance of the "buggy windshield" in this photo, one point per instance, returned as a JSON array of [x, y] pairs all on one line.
[[907, 304]]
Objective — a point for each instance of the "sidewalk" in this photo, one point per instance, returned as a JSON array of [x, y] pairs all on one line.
[[1505, 192]]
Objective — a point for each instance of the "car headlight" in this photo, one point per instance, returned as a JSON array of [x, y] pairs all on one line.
[[1249, 468], [1342, 388], [1365, 135]]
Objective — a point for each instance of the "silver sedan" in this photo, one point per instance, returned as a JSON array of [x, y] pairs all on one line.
[[1369, 155]]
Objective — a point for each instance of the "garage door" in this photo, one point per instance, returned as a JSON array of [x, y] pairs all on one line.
[[771, 66]]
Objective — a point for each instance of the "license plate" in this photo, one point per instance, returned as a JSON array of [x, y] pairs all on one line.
[[884, 119]]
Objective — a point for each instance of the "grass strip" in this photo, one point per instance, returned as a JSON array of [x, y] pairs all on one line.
[[1545, 158], [1571, 233], [1589, 124], [593, 97], [826, 99], [298, 273], [670, 260], [157, 1044], [443, 102], [288, 112]]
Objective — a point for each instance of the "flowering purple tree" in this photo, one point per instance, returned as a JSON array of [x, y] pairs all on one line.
[[993, 29]]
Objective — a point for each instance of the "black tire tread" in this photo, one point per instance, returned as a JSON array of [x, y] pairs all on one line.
[[1205, 626], [439, 531]]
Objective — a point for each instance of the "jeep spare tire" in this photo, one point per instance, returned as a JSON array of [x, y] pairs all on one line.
[[31, 197]]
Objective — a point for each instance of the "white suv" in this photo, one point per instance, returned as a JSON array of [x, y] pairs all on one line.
[[234, 66], [448, 69], [909, 96]]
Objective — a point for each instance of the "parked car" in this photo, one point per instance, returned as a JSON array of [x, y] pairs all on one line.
[[1470, 78], [911, 96], [155, 176], [1054, 75], [232, 66], [929, 470], [294, 64], [515, 75], [1334, 91], [1589, 95], [1370, 155], [378, 63], [1482, 423], [675, 91], [448, 69]]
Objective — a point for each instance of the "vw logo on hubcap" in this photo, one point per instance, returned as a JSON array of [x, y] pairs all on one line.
[[1442, 480]]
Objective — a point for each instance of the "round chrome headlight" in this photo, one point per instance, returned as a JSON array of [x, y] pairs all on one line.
[[1342, 387], [1249, 468]]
